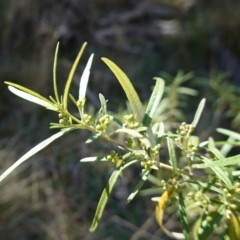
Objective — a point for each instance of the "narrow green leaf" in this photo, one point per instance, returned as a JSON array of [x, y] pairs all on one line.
[[160, 132], [218, 171], [70, 77], [172, 154], [138, 187], [221, 163], [73, 99], [131, 132], [32, 98], [198, 112], [154, 101], [93, 138], [84, 79], [128, 88], [103, 104], [183, 217], [187, 91], [33, 151], [207, 227], [229, 133], [93, 159], [37, 95], [106, 193], [55, 73]]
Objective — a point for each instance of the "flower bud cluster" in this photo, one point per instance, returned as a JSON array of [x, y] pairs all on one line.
[[199, 198], [103, 123], [154, 151], [172, 182], [88, 119], [64, 119], [148, 163], [113, 157], [185, 129], [130, 142], [130, 121]]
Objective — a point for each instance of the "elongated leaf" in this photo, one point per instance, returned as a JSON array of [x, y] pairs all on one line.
[[37, 95], [207, 227], [198, 112], [172, 154], [229, 133], [93, 159], [84, 79], [218, 171], [103, 104], [183, 217], [70, 77], [138, 187], [128, 88], [154, 101], [55, 74], [234, 227], [221, 163], [105, 195], [93, 138], [160, 209], [32, 98], [160, 132], [131, 132], [32, 152]]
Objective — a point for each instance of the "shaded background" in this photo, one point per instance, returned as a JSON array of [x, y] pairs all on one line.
[[53, 196]]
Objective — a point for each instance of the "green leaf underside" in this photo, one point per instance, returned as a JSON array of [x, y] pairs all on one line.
[[32, 98], [33, 151], [106, 193], [84, 79], [198, 112], [70, 77], [153, 102], [183, 217], [131, 132], [172, 154], [128, 88], [207, 227], [229, 133], [93, 159], [55, 74], [37, 95], [138, 187]]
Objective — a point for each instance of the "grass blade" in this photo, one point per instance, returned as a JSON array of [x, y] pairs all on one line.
[[198, 112], [70, 77], [32, 152]]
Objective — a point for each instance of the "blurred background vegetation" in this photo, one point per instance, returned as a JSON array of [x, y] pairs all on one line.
[[53, 196]]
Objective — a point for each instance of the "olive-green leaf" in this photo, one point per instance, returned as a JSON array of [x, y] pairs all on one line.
[[198, 112]]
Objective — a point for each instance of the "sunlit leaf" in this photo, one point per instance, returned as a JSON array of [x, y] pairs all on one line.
[[70, 77], [183, 217], [229, 133], [131, 132], [198, 112], [105, 195], [128, 88], [93, 138], [33, 151], [55, 73], [31, 98], [154, 101], [103, 104], [93, 159], [138, 187], [209, 223], [234, 227], [84, 79], [172, 153]]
